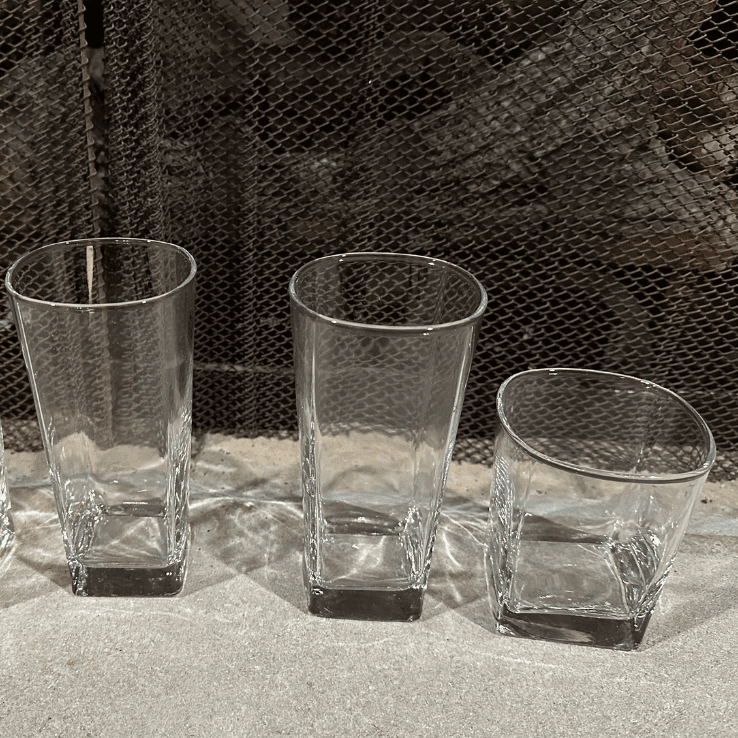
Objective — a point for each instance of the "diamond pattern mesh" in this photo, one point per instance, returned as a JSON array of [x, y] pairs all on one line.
[[578, 157]]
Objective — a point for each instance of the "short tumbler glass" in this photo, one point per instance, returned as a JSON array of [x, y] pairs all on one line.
[[594, 480], [382, 345], [106, 328]]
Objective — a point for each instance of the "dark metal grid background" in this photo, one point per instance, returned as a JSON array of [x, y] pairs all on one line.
[[577, 156]]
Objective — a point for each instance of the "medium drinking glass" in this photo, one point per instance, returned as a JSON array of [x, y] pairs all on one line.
[[382, 347], [106, 328], [594, 480]]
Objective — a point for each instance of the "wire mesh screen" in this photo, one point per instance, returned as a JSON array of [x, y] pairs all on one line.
[[578, 157]]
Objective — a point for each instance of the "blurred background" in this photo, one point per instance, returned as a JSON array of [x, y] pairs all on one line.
[[579, 157]]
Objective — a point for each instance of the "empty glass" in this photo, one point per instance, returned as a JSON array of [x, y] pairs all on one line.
[[106, 327], [382, 346], [594, 479]]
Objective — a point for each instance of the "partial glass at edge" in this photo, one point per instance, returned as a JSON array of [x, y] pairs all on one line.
[[6, 523], [383, 345], [594, 480], [106, 328]]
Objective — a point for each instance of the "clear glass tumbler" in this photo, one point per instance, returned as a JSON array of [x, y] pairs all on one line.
[[594, 480], [106, 328], [382, 346]]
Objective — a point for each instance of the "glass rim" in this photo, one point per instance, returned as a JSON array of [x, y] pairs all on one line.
[[389, 256], [700, 471], [84, 242]]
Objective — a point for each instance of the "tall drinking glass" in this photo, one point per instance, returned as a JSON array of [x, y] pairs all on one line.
[[106, 328], [595, 476], [382, 347]]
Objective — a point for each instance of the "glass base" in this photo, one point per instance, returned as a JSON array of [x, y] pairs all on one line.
[[365, 604], [621, 635], [100, 581]]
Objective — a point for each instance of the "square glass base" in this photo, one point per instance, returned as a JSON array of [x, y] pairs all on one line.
[[101, 581], [620, 635], [365, 604]]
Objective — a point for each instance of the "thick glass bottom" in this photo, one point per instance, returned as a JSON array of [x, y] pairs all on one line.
[[365, 604], [100, 581], [621, 635]]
